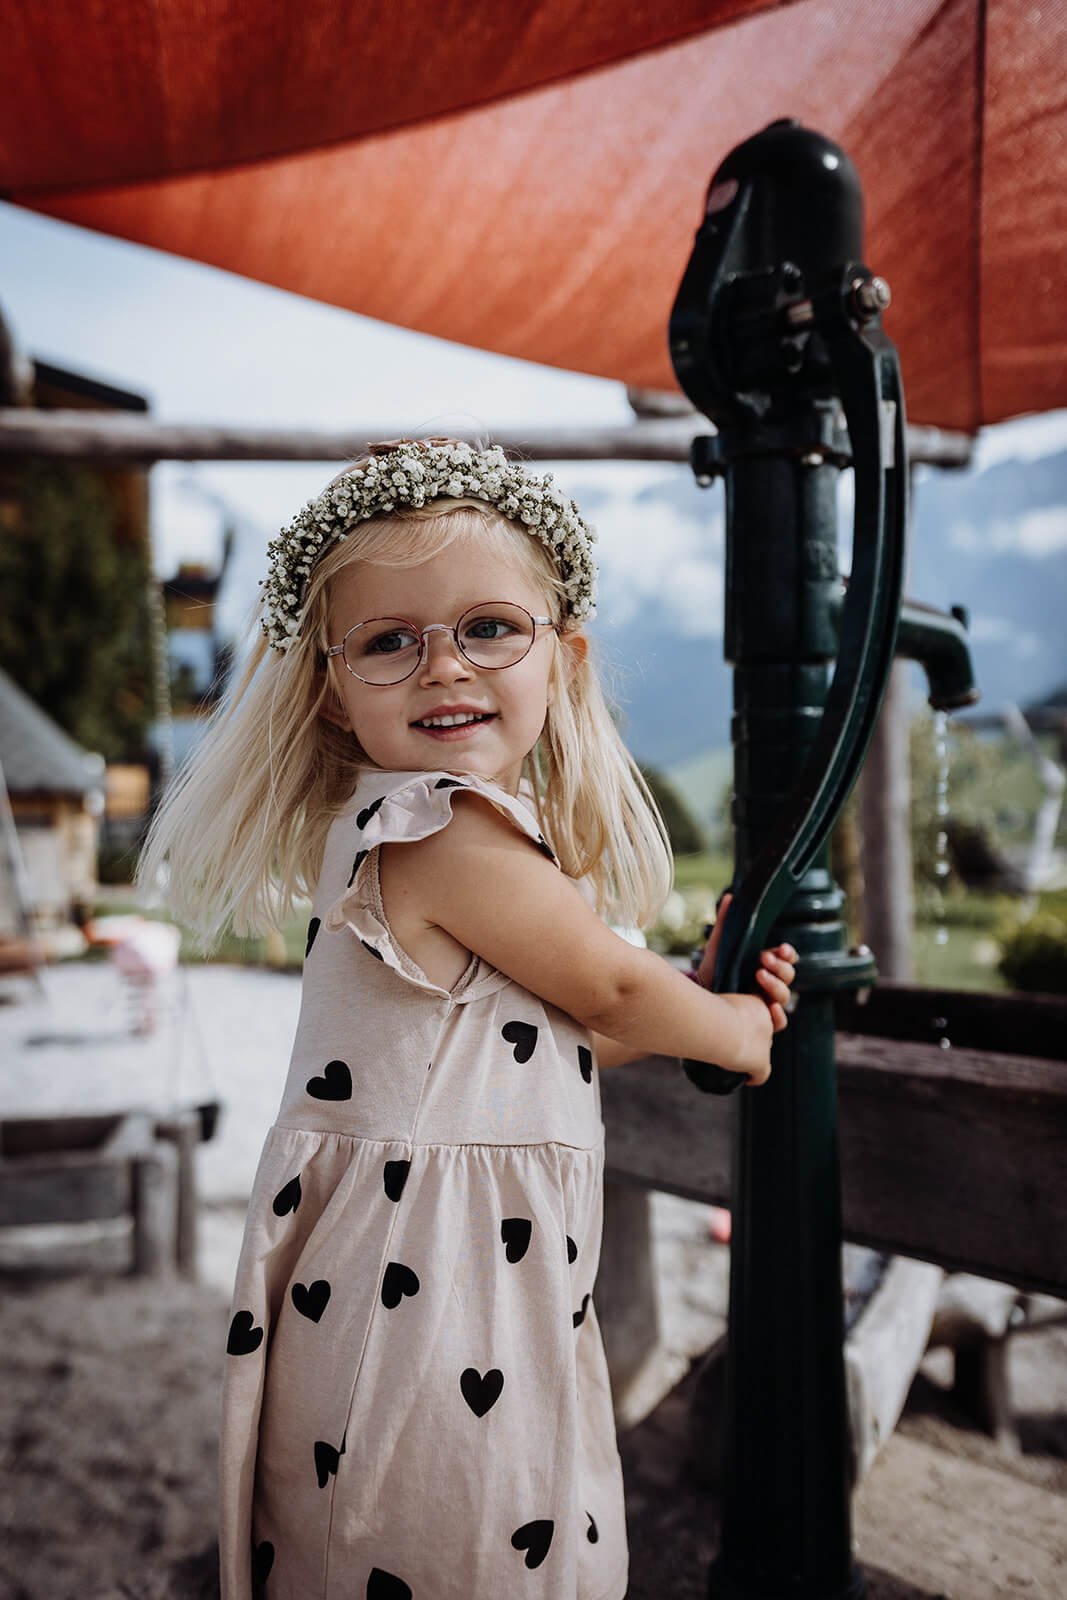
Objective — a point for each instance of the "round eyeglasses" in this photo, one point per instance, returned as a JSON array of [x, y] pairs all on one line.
[[490, 635]]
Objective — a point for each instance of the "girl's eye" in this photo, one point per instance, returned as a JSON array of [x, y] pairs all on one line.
[[390, 642], [489, 628]]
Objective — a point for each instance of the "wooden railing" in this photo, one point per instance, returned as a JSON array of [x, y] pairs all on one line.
[[956, 1156]]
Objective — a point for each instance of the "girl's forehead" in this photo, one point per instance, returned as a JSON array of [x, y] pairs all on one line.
[[463, 573]]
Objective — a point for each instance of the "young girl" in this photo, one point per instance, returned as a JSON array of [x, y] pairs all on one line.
[[416, 1398]]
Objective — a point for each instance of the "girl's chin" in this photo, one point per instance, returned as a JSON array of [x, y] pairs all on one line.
[[477, 764]]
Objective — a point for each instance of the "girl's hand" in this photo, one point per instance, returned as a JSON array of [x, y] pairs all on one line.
[[774, 975], [754, 1058]]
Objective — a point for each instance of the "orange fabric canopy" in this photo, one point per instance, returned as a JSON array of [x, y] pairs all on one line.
[[527, 176]]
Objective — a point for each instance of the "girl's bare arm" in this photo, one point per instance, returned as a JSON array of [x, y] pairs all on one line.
[[484, 884], [775, 976], [611, 1053]]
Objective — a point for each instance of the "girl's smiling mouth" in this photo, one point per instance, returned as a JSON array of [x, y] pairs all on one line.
[[453, 725]]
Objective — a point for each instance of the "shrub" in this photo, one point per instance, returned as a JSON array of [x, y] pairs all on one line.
[[1034, 954]]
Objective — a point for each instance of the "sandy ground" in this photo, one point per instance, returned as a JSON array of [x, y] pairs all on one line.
[[109, 1385], [108, 1415]]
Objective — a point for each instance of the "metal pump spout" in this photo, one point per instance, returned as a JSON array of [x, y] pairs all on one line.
[[938, 641]]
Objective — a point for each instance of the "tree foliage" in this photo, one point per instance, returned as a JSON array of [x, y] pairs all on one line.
[[686, 835], [74, 626]]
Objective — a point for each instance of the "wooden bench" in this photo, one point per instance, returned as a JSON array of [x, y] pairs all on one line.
[[82, 1168]]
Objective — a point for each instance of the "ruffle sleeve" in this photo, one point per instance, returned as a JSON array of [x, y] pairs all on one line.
[[419, 806]]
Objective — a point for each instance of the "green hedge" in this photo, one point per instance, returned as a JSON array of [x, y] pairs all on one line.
[[1035, 954]]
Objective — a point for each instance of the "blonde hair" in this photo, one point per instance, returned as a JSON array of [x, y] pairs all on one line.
[[242, 831]]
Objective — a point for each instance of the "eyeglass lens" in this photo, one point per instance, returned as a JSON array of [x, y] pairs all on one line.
[[387, 649]]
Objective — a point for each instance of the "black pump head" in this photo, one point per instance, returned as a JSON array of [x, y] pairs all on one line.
[[784, 213]]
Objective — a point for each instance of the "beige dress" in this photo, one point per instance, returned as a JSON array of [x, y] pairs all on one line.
[[416, 1402]]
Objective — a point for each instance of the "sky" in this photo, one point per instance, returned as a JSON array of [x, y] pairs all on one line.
[[205, 345]]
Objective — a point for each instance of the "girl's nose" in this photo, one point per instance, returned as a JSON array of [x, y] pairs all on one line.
[[442, 661]]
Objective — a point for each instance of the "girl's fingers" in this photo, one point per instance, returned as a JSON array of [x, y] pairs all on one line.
[[779, 1018], [777, 967], [774, 987]]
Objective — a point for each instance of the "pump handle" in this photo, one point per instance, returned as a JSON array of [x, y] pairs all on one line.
[[867, 377]]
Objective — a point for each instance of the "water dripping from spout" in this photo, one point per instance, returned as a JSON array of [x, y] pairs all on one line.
[[941, 862]]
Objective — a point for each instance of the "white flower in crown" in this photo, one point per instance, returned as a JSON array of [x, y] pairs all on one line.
[[409, 472]]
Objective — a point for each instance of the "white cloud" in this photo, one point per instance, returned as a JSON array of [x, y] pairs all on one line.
[[1021, 439], [1002, 631], [649, 550], [1042, 532], [1037, 534]]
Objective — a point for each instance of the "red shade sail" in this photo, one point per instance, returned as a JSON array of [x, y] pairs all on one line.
[[527, 177]]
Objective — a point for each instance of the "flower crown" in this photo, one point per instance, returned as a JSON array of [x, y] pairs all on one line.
[[411, 472]]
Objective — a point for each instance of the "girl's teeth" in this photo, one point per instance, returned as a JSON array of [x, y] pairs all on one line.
[[450, 722]]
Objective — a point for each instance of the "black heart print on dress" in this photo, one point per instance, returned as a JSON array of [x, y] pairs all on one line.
[[515, 1234], [288, 1198], [368, 811], [362, 856], [534, 1538], [545, 848], [262, 1561], [523, 1035], [377, 954], [326, 1459], [590, 1532], [386, 1586], [395, 1175], [244, 1335], [335, 1083], [448, 783], [585, 1063], [579, 1316], [572, 1251], [398, 1281], [313, 927], [311, 1300], [481, 1394]]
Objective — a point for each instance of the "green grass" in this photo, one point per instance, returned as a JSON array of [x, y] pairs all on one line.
[[966, 961], [710, 870]]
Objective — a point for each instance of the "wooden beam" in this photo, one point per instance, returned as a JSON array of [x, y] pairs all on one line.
[[956, 1156], [1002, 1022], [124, 436]]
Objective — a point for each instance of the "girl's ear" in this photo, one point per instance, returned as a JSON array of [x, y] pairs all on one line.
[[575, 650], [331, 707]]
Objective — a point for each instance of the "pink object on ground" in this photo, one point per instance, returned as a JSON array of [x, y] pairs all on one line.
[[719, 1221], [147, 950]]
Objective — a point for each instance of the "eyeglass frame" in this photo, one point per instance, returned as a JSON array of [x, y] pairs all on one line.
[[440, 627]]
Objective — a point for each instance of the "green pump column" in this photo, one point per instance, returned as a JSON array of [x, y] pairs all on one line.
[[786, 1527], [775, 337]]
